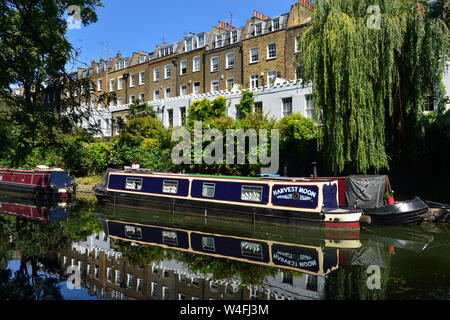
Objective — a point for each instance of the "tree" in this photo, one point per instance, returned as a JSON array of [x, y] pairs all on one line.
[[33, 55], [371, 72]]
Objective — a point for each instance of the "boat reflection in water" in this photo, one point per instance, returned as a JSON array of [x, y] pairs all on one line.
[[34, 209], [303, 250]]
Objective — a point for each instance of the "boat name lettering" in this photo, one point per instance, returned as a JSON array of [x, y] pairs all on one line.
[[292, 260], [286, 193]]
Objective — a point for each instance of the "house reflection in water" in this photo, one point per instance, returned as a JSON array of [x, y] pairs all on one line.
[[108, 275]]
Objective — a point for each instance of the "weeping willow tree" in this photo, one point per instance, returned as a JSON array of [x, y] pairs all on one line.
[[372, 64]]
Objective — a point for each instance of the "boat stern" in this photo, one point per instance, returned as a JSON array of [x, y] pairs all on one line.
[[342, 218]]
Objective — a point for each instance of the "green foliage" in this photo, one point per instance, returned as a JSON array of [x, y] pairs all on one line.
[[205, 110], [142, 256], [246, 104], [250, 274], [298, 144], [371, 82]]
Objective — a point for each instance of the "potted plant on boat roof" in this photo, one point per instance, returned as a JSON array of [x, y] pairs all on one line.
[[389, 198]]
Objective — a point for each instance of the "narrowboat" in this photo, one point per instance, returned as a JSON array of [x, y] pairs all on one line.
[[374, 196], [295, 257], [40, 183], [30, 209], [292, 201], [305, 236]]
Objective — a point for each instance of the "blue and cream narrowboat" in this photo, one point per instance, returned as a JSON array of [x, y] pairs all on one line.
[[292, 201], [48, 183], [295, 257]]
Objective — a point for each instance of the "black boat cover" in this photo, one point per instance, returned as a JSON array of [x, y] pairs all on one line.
[[365, 191]]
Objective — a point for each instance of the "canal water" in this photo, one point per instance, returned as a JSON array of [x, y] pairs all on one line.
[[83, 251]]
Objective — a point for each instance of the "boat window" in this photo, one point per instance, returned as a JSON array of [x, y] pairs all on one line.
[[251, 249], [1, 177], [208, 190], [251, 193], [133, 183], [170, 237], [133, 232], [170, 186], [208, 243]]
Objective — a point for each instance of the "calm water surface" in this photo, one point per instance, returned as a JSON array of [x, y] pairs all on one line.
[[83, 251]]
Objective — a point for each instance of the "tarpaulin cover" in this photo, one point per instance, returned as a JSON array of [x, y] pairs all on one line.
[[365, 191]]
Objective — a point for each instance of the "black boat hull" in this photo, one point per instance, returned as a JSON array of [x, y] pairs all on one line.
[[400, 213], [226, 211], [35, 192]]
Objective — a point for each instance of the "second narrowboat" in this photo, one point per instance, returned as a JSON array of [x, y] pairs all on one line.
[[40, 183]]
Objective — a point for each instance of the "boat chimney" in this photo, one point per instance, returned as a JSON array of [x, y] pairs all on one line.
[[314, 164]]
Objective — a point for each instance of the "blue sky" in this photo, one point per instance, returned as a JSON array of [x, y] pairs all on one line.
[[133, 25]]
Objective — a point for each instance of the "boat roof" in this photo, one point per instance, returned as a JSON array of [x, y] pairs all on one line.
[[261, 178]]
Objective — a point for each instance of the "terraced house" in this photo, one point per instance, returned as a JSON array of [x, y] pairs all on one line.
[[224, 60]]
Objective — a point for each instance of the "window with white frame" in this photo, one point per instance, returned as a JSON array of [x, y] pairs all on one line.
[[251, 193], [117, 276], [200, 41], [99, 85], [254, 81], [254, 55], [154, 289], [111, 85], [271, 77], [309, 108], [129, 280], [271, 50], [196, 64], [156, 74], [230, 60], [167, 93], [258, 106], [165, 292], [297, 44], [183, 67], [196, 87], [132, 99], [219, 40], [214, 86], [119, 83], [214, 64], [275, 24], [167, 71], [141, 97], [287, 106], [183, 115], [156, 95], [230, 83], [132, 80], [233, 36], [183, 90], [208, 190], [188, 45], [208, 244], [258, 29], [119, 101], [142, 78], [139, 284]]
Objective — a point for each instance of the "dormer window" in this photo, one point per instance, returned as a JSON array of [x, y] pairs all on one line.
[[275, 24], [258, 29], [219, 40], [188, 45], [200, 41], [233, 36]]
